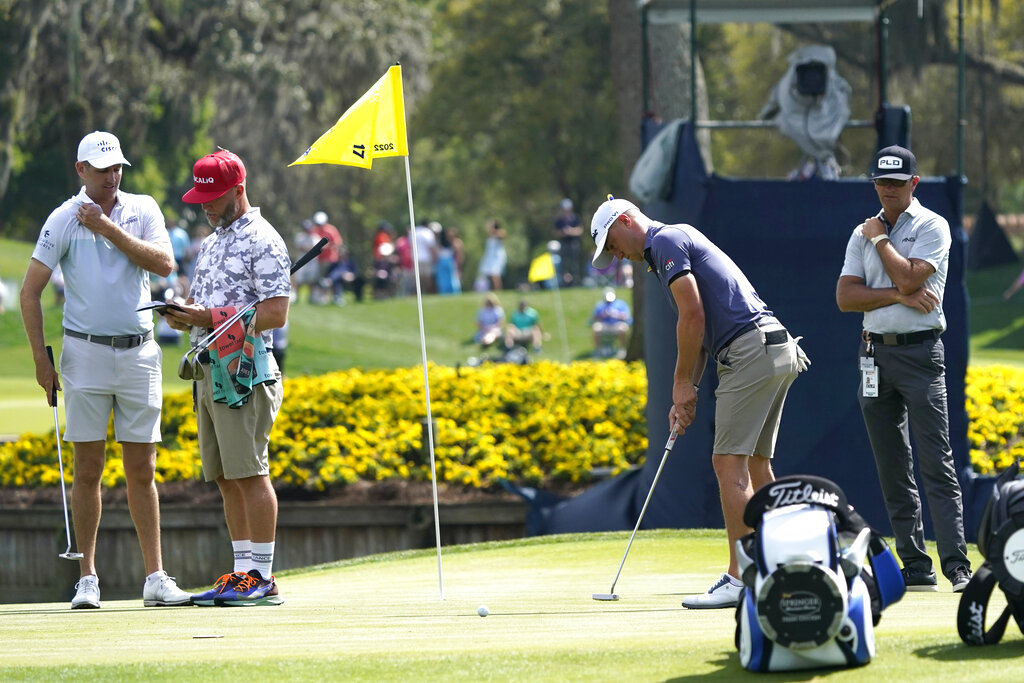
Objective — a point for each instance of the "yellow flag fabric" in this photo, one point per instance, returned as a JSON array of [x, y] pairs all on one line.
[[372, 127], [541, 268]]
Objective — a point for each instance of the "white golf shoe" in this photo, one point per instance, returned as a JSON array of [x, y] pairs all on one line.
[[725, 593], [163, 592], [87, 593]]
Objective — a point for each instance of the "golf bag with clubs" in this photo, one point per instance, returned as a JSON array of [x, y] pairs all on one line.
[[816, 579], [1001, 543]]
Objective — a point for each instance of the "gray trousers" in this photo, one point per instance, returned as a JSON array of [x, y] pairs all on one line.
[[911, 384]]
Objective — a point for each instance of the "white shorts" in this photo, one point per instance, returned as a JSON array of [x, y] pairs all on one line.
[[99, 379]]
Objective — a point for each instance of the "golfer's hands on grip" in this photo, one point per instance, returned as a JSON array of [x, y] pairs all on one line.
[[191, 315], [48, 379], [684, 406]]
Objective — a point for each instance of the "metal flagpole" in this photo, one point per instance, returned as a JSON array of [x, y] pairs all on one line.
[[426, 381]]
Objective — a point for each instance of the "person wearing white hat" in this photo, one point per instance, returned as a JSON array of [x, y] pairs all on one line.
[[106, 242], [719, 315]]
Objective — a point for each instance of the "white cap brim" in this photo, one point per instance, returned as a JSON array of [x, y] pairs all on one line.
[[108, 160]]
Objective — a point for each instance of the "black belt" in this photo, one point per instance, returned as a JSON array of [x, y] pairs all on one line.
[[892, 339], [125, 341], [779, 336]]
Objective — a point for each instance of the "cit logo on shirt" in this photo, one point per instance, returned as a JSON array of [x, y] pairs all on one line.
[[670, 264]]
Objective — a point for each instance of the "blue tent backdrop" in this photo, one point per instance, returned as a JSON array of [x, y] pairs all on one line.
[[789, 237]]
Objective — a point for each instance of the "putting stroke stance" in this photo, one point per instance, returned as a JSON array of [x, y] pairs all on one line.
[[720, 314], [107, 242], [244, 260]]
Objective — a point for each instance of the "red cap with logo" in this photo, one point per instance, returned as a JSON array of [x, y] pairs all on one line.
[[213, 175]]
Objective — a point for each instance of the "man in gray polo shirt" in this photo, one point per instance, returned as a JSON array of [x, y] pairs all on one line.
[[106, 242], [895, 274], [719, 314]]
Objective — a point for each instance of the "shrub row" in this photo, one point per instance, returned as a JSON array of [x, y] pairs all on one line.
[[536, 424]]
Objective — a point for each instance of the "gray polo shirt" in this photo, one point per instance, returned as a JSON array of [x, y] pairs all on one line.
[[919, 233], [102, 287]]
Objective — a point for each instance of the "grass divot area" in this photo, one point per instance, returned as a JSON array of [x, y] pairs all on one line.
[[380, 618]]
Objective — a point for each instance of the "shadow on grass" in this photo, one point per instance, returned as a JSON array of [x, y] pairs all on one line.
[[960, 652]]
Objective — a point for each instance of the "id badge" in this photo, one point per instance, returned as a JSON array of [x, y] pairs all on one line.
[[869, 379]]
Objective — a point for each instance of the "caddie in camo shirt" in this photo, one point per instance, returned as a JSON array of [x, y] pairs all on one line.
[[244, 260]]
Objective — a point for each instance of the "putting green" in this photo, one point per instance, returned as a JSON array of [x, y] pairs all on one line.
[[381, 618]]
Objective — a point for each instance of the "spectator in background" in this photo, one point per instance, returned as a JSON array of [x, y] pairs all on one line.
[[304, 240], [406, 272], [524, 328], [57, 280], [199, 233], [446, 274], [610, 322], [385, 262], [426, 253], [567, 231], [494, 259], [180, 242], [459, 250], [3, 292], [326, 258], [345, 275], [489, 321], [280, 338]]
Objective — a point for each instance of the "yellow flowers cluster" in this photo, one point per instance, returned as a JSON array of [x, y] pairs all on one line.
[[995, 417], [534, 425]]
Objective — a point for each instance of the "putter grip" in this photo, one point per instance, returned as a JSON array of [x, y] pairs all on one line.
[[309, 255], [53, 389]]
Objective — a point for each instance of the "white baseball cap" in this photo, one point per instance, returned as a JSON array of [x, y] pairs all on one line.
[[101, 150], [603, 219]]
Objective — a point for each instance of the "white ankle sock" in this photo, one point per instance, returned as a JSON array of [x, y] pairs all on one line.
[[243, 555], [263, 558]]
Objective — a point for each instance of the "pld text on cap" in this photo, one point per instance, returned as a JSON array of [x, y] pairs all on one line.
[[894, 162]]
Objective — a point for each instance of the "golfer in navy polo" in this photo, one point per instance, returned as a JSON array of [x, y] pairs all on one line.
[[721, 315]]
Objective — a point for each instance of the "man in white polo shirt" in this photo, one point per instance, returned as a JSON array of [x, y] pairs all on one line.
[[106, 242]]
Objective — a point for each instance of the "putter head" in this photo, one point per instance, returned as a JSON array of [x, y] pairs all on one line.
[[70, 556], [605, 596]]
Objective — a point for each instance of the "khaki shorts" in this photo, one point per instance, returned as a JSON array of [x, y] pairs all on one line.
[[233, 441], [753, 379], [98, 380]]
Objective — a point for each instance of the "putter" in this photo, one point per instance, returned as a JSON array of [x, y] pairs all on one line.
[[67, 554], [611, 594], [193, 369]]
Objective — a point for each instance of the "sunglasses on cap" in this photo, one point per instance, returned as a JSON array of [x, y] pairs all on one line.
[[889, 182]]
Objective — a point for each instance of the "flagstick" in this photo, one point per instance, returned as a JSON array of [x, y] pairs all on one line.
[[426, 381]]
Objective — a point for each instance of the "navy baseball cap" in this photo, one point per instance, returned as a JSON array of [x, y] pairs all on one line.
[[894, 162]]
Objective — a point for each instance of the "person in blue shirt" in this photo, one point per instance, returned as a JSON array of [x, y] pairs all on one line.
[[610, 323], [719, 315]]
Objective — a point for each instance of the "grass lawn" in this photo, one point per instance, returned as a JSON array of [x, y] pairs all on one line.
[[380, 618]]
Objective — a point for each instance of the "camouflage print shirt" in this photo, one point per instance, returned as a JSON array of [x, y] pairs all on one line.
[[242, 262]]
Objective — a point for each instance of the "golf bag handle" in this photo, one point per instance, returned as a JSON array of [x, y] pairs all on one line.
[[53, 389]]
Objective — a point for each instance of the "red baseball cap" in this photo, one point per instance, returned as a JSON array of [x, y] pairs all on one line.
[[213, 175]]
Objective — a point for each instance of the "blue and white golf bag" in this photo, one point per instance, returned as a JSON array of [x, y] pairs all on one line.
[[816, 579]]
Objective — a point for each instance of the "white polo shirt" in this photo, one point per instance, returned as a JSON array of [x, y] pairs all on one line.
[[919, 233], [102, 287]]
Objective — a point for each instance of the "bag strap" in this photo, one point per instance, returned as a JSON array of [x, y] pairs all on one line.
[[970, 617]]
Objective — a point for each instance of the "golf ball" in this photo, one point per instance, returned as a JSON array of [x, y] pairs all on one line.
[[482, 610]]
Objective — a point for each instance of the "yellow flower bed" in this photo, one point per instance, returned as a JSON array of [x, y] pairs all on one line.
[[995, 415], [531, 424], [534, 424]]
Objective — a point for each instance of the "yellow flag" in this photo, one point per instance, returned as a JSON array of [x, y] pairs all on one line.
[[372, 127], [541, 268]]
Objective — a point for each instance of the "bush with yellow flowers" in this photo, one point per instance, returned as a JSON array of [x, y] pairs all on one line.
[[995, 417], [539, 424], [535, 424]]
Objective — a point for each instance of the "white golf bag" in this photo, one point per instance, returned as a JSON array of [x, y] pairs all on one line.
[[816, 578]]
